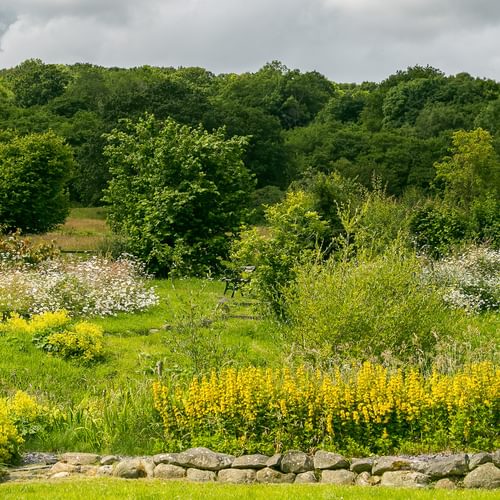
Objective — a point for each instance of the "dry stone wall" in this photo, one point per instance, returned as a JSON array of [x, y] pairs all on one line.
[[479, 470]]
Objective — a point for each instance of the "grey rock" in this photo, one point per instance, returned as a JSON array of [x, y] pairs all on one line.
[[389, 464], [166, 458], [404, 479], [200, 476], [485, 476], [80, 458], [329, 460], [149, 466], [237, 476], [295, 462], [363, 479], [275, 461], [269, 475], [64, 467], [104, 471], [495, 458], [256, 461], [359, 465], [340, 476], [306, 478], [479, 459], [89, 470], [109, 460], [445, 484], [375, 480], [130, 468], [454, 465], [205, 459], [60, 475], [169, 471]]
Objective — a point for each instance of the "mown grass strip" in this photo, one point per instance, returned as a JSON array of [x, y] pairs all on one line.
[[124, 489]]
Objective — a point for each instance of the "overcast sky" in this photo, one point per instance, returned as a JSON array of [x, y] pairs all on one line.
[[346, 40]]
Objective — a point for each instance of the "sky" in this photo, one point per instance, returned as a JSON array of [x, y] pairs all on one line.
[[345, 40]]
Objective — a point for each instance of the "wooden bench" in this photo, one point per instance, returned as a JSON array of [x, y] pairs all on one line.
[[236, 281]]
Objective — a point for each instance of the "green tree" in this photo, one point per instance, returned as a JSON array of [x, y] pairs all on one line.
[[176, 193], [36, 83], [34, 170], [473, 169]]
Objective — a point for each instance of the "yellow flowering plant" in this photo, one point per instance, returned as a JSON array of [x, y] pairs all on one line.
[[369, 410]]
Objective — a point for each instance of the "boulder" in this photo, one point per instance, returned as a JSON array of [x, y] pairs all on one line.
[[60, 475], [274, 462], [166, 458], [306, 478], [269, 475], [363, 479], [485, 476], [80, 458], [109, 460], [89, 470], [64, 467], [129, 468], [169, 471], [479, 459], [237, 476], [359, 465], [454, 465], [329, 460], [200, 476], [339, 476], [104, 471], [256, 461], [495, 458], [390, 464], [295, 462], [204, 459], [404, 479], [445, 484]]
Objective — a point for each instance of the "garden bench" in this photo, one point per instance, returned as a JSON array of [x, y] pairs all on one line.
[[236, 281]]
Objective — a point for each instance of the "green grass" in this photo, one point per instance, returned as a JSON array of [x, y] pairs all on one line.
[[125, 489]]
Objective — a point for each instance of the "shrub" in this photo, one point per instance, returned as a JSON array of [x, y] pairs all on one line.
[[367, 410], [470, 280], [367, 308], [97, 286]]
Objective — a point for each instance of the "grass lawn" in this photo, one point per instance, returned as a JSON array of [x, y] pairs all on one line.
[[124, 489]]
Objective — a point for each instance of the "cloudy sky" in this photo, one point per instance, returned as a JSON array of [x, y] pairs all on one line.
[[346, 40]]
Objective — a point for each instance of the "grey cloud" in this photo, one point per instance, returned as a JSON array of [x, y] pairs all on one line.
[[348, 40]]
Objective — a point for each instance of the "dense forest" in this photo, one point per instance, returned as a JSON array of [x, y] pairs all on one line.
[[295, 129]]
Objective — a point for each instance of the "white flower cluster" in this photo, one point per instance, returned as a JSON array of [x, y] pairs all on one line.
[[94, 287], [470, 280]]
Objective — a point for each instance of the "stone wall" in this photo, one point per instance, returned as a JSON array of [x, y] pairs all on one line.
[[479, 470]]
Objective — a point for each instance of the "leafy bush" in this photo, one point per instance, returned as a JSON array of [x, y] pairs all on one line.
[[470, 280], [367, 410], [295, 232], [97, 286], [367, 307], [176, 193], [34, 170]]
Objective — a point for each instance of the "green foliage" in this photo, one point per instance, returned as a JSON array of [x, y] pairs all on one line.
[[296, 234], [176, 193], [367, 307], [472, 171], [36, 83], [34, 170]]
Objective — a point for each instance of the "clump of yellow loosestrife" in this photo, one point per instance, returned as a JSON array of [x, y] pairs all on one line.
[[10, 440], [371, 408], [56, 333]]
